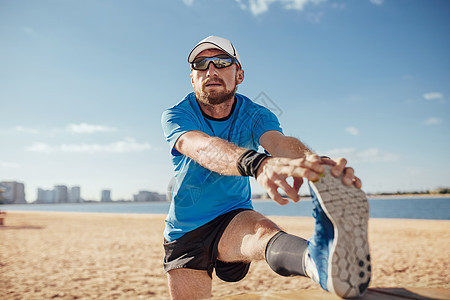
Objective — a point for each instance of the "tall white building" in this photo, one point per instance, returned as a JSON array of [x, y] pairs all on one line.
[[106, 196], [75, 195], [13, 192], [45, 196], [61, 194]]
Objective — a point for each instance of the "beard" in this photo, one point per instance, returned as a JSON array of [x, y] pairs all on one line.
[[214, 97]]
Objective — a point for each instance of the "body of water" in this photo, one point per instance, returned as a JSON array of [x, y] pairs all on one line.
[[407, 208]]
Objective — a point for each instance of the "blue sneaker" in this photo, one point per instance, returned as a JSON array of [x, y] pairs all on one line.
[[338, 253]]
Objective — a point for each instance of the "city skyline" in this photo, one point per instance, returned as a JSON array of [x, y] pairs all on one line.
[[14, 192], [82, 101]]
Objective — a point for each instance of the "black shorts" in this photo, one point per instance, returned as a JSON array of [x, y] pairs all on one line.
[[197, 250]]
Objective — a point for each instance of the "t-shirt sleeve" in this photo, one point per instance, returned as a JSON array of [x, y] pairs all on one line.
[[175, 122], [265, 121]]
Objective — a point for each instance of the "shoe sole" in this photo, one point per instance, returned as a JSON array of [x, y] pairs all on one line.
[[349, 267]]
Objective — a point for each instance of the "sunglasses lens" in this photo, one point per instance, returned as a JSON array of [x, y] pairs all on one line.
[[223, 63], [220, 61], [200, 65]]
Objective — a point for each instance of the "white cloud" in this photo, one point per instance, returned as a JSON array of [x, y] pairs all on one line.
[[433, 121], [188, 2], [41, 147], [371, 155], [352, 130], [125, 146], [9, 165], [433, 96], [88, 128], [26, 130], [377, 2], [261, 6], [299, 4]]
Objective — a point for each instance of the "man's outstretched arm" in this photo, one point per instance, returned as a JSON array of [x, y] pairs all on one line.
[[221, 156]]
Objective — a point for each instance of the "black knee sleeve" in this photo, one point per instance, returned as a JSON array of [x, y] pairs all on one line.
[[284, 254]]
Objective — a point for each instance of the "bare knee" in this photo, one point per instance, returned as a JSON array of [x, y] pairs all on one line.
[[264, 227], [246, 237], [254, 244]]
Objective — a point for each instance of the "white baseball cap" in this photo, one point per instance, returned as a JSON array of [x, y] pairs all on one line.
[[214, 42]]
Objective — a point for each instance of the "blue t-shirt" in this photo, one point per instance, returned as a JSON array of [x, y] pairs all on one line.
[[198, 194]]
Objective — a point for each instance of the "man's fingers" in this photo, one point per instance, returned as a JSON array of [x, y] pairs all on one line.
[[290, 191], [298, 181], [300, 168], [327, 161], [274, 181], [313, 164], [357, 182], [274, 195], [313, 157], [339, 167], [279, 181], [349, 176]]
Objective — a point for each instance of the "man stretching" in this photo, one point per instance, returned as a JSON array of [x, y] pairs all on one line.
[[214, 134]]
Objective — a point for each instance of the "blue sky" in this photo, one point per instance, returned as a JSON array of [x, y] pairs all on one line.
[[83, 85]]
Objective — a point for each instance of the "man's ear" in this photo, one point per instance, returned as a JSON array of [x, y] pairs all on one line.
[[192, 78], [239, 76]]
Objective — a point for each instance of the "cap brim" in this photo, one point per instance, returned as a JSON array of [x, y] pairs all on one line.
[[202, 47]]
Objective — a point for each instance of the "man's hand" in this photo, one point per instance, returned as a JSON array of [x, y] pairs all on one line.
[[274, 171], [339, 167], [273, 174]]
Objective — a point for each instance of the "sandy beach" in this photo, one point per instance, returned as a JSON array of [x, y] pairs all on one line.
[[119, 256]]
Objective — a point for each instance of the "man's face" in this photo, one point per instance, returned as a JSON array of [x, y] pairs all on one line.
[[214, 86]]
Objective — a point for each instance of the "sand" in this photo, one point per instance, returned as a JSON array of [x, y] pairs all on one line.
[[119, 256]]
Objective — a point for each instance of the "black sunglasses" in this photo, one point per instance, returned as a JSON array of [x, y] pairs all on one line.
[[220, 61]]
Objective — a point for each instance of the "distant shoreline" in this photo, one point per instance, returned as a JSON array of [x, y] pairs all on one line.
[[379, 196], [401, 196], [254, 198]]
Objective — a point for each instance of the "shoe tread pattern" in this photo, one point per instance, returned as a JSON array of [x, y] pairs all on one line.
[[349, 267]]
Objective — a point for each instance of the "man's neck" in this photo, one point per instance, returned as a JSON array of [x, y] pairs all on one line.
[[217, 111]]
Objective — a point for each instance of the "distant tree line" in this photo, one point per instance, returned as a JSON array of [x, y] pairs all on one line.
[[441, 191], [438, 191]]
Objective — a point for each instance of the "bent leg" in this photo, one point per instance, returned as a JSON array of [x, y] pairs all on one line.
[[252, 236], [246, 237], [189, 284]]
